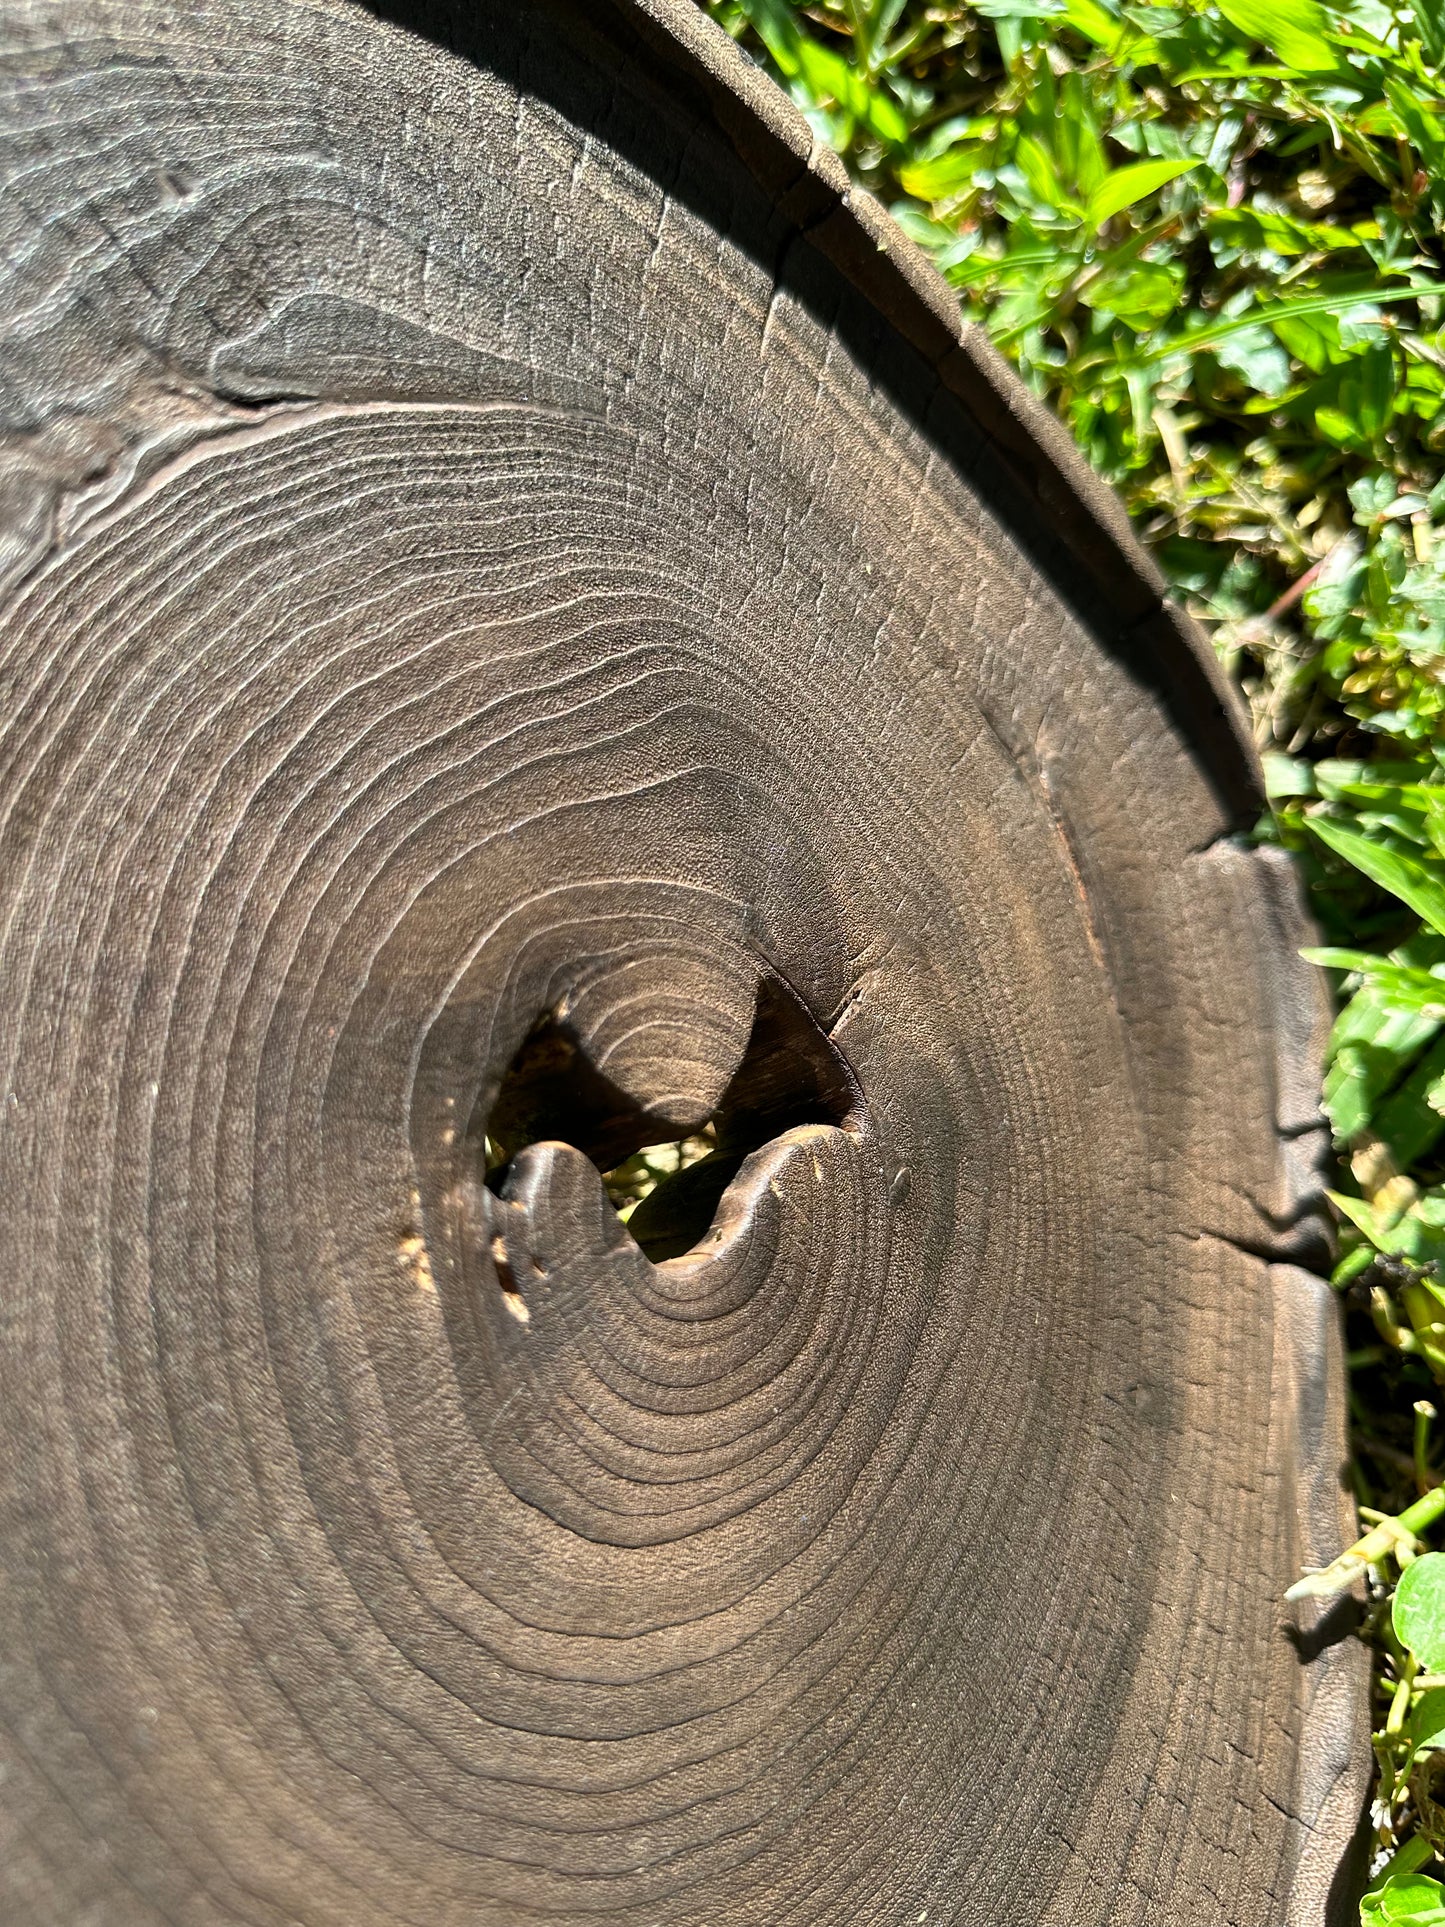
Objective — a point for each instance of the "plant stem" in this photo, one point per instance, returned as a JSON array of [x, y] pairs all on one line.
[[1390, 1535]]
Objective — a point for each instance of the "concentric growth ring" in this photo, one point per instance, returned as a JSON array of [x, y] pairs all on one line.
[[530, 633]]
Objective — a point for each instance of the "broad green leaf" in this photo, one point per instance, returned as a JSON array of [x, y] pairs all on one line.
[[1426, 1724], [1404, 989], [1430, 25], [1346, 1096], [1363, 1068], [1364, 399], [884, 117], [1256, 357], [828, 74], [1258, 229], [1411, 1119], [777, 27], [1405, 877], [1371, 495], [1313, 339], [1296, 29], [1128, 185], [1373, 1045], [1405, 1900], [1108, 30], [1286, 776], [1334, 957], [949, 248], [1360, 324], [1424, 388], [831, 77], [1340, 426], [1078, 141], [1340, 776], [1036, 164], [1140, 291], [1417, 1234], [945, 177], [1422, 127], [1404, 807], [1418, 1614], [1023, 268]]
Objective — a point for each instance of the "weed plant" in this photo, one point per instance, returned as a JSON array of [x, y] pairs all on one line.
[[1209, 235]]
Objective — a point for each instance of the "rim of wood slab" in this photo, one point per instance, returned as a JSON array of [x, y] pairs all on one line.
[[1068, 508]]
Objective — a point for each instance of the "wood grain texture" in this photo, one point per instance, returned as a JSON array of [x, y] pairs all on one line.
[[500, 545]]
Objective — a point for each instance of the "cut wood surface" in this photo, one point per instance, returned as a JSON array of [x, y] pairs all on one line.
[[528, 630]]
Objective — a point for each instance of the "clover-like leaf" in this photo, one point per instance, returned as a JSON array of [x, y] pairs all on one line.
[[1405, 1900], [1419, 1610]]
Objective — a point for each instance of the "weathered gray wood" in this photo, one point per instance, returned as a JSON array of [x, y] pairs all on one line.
[[495, 534]]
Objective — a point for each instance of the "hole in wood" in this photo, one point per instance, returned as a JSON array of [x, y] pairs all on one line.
[[633, 1182], [664, 1185]]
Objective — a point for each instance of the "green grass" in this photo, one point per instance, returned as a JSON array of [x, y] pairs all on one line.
[[1208, 235]]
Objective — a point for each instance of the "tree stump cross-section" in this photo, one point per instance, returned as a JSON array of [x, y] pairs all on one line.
[[528, 630]]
